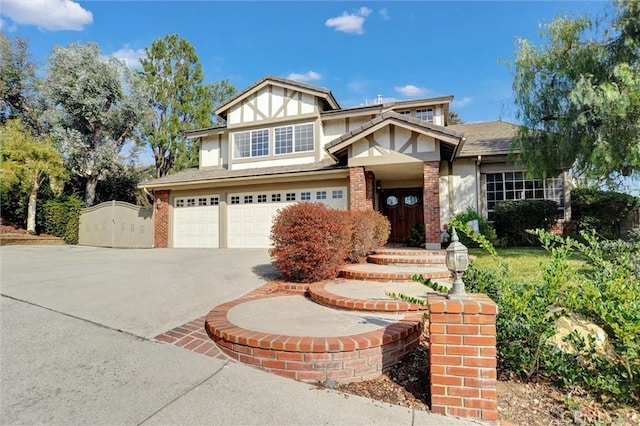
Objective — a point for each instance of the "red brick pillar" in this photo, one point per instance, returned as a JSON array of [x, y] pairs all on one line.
[[462, 356], [431, 200], [161, 219], [358, 194]]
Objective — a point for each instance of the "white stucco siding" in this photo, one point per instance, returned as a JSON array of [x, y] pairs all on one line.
[[438, 116], [426, 144], [274, 163], [331, 130], [224, 150], [233, 116], [360, 149], [307, 104], [464, 185], [210, 153]]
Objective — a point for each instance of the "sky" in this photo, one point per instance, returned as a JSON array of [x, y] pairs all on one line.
[[357, 49]]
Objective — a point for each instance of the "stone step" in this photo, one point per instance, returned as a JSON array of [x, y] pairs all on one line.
[[386, 273], [409, 251], [294, 337], [21, 239], [404, 260], [368, 296]]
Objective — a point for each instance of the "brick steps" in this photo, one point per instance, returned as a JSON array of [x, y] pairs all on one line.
[[309, 358], [408, 251], [386, 273], [406, 260]]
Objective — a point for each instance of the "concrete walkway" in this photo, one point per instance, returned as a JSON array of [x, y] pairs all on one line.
[[75, 344]]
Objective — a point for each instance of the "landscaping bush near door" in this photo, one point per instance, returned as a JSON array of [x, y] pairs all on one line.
[[515, 218], [484, 227], [311, 241]]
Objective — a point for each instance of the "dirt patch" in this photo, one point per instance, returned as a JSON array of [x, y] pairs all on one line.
[[519, 403]]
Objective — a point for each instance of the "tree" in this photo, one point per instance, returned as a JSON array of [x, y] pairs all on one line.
[[173, 75], [579, 96], [453, 118], [27, 162], [18, 83], [94, 105]]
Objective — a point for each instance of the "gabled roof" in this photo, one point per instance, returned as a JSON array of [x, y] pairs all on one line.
[[445, 134], [320, 92], [487, 138], [207, 131], [212, 174], [387, 106]]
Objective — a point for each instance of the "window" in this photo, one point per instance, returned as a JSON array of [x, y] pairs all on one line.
[[275, 198], [336, 194], [291, 196], [321, 195], [515, 186], [289, 139], [248, 199], [191, 202], [251, 144], [202, 201], [179, 203], [425, 115], [405, 113], [235, 199], [214, 201], [305, 196], [262, 198]]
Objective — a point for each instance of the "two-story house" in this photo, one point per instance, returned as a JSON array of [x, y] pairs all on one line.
[[286, 142]]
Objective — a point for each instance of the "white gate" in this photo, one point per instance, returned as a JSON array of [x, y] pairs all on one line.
[[116, 224]]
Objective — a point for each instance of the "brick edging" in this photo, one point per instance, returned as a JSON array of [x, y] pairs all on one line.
[[344, 358], [389, 276], [318, 293]]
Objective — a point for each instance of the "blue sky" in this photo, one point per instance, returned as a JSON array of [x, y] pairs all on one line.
[[400, 50]]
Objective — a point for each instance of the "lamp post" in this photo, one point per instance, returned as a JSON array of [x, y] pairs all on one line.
[[457, 260]]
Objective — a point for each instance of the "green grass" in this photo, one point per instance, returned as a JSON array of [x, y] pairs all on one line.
[[525, 263]]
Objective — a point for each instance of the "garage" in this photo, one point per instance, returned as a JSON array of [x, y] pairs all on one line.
[[196, 221], [250, 214]]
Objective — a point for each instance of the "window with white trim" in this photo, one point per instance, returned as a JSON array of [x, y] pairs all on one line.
[[296, 138], [291, 196], [275, 198], [507, 186], [425, 114], [248, 199], [191, 202], [235, 199], [305, 196], [214, 201], [202, 201], [254, 143], [179, 203], [321, 195], [336, 194], [405, 113], [262, 198]]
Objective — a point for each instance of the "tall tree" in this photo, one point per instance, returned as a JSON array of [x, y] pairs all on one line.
[[453, 118], [579, 95], [27, 162], [18, 83], [174, 77], [95, 103]]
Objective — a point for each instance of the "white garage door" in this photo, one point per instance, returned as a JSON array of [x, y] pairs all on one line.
[[195, 221], [251, 214]]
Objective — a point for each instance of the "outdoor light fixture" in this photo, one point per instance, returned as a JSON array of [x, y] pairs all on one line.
[[457, 260]]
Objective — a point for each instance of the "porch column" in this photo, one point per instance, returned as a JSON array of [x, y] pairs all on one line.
[[161, 219], [431, 199], [361, 189]]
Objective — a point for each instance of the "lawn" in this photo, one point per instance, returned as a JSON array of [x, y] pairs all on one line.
[[525, 263]]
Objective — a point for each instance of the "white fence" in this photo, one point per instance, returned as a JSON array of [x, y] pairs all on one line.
[[116, 224]]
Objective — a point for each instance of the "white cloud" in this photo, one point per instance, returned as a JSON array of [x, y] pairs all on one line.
[[53, 15], [308, 76], [384, 13], [358, 86], [458, 103], [351, 23], [129, 56], [411, 90]]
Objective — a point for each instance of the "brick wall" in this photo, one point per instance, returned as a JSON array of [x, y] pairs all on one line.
[[431, 197], [462, 356], [359, 198], [161, 219]]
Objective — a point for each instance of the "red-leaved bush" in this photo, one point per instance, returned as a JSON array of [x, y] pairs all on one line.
[[310, 242], [381, 228], [362, 236]]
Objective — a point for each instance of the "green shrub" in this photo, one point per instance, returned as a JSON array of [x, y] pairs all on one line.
[[601, 211], [61, 218], [310, 242], [418, 237], [514, 218], [484, 226]]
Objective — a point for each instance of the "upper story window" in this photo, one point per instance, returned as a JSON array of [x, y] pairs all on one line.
[[297, 138], [515, 186], [254, 143], [425, 115], [405, 113]]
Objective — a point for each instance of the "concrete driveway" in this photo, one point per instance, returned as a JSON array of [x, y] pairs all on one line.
[[76, 348]]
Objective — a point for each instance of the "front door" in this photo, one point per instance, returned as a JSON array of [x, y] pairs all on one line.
[[404, 209]]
